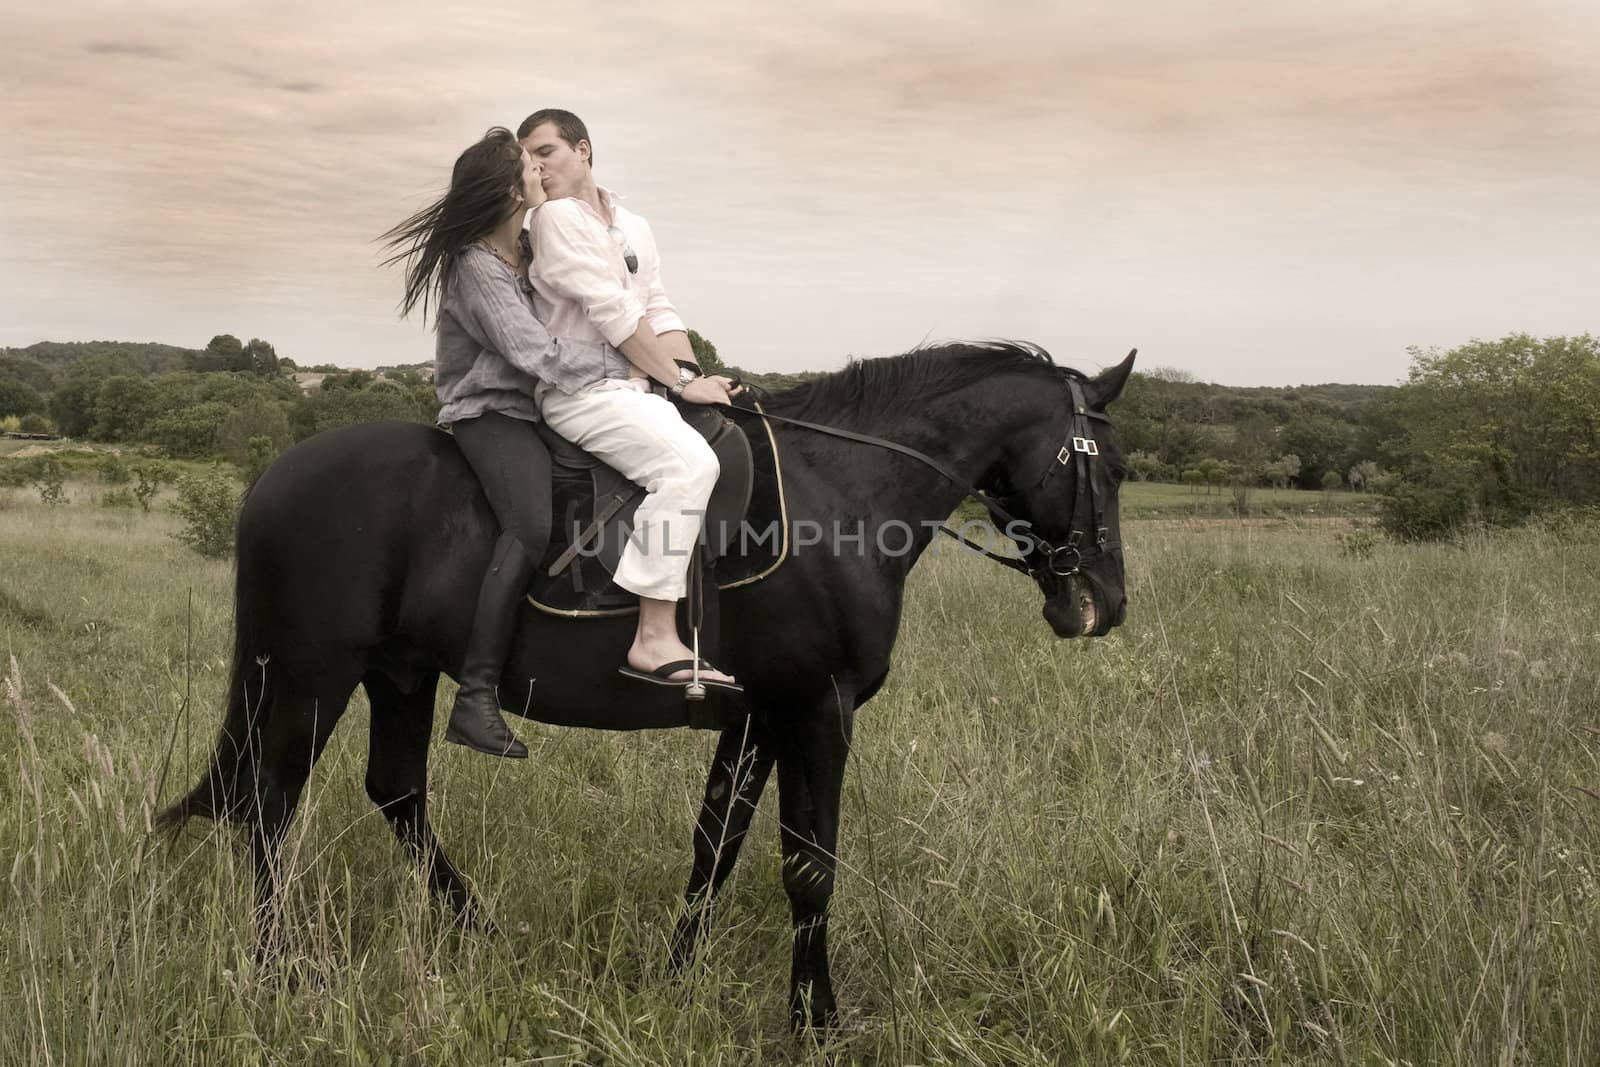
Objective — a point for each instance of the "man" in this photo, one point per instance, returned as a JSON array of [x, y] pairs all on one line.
[[597, 276]]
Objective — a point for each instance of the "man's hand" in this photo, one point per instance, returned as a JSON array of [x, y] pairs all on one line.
[[713, 390]]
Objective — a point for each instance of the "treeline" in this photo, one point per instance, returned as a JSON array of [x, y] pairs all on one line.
[[1490, 431], [234, 400], [1174, 428]]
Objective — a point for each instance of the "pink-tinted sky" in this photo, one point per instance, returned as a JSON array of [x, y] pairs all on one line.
[[1257, 194]]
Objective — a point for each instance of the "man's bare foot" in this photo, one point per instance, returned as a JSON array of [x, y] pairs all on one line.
[[649, 657]]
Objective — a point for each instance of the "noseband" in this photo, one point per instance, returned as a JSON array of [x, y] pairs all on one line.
[[1055, 560]]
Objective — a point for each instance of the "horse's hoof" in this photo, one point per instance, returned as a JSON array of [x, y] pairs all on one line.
[[812, 1014]]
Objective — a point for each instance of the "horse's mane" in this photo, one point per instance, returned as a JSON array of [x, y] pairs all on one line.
[[868, 389]]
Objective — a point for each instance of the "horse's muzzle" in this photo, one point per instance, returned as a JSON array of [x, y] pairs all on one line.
[[1079, 610]]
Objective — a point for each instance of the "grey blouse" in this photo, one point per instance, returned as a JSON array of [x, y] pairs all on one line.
[[492, 352]]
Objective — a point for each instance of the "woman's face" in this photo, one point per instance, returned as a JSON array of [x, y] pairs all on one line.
[[532, 181]]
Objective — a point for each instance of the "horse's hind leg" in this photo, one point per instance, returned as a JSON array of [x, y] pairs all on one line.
[[739, 770], [397, 776], [293, 733]]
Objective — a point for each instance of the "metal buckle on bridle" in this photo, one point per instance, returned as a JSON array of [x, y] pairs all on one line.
[[1055, 565], [1087, 445]]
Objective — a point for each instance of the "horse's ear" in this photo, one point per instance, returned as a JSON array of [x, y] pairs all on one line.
[[1107, 385]]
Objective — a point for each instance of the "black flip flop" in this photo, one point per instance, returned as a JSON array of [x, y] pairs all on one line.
[[662, 675]]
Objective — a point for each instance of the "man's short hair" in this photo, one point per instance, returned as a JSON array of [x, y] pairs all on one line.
[[568, 125]]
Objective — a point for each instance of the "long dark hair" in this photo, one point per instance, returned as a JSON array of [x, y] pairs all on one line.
[[478, 200]]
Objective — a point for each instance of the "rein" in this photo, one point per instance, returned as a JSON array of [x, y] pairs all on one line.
[[1061, 560]]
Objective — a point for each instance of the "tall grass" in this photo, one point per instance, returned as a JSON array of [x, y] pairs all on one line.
[[1304, 807]]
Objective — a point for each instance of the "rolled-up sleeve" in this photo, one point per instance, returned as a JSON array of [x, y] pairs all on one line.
[[490, 307], [570, 262], [658, 309]]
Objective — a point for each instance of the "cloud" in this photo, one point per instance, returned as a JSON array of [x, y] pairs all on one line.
[[966, 167], [135, 49]]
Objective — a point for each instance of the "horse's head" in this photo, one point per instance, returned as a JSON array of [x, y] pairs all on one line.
[[1061, 476]]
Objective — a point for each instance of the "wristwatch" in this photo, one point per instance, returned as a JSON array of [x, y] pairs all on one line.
[[685, 376]]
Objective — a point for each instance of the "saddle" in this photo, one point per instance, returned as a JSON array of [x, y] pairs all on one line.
[[745, 534]]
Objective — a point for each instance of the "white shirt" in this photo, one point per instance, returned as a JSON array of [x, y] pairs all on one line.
[[582, 286]]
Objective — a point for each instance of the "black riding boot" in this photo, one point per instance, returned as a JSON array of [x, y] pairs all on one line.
[[475, 719]]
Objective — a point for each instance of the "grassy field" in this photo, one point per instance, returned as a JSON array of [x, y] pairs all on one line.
[[1145, 500], [1307, 806]]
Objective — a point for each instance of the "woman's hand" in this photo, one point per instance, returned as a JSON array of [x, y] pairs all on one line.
[[533, 193]]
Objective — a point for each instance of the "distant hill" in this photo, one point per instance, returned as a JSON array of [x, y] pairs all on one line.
[[141, 357]]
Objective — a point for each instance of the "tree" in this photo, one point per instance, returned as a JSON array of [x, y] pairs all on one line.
[[1283, 470], [29, 372], [1322, 442], [345, 381], [225, 352], [72, 406], [209, 506], [1363, 475], [1255, 439], [1158, 406], [263, 359], [1332, 480], [17, 397], [123, 407], [1145, 467], [705, 354], [191, 432], [259, 418], [343, 406], [1512, 424]]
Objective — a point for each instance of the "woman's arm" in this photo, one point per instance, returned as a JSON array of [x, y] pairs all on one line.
[[493, 310]]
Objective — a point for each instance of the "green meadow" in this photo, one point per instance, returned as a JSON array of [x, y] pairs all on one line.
[[1323, 799]]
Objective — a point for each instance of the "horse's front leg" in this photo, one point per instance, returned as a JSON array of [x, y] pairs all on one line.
[[811, 763], [739, 772]]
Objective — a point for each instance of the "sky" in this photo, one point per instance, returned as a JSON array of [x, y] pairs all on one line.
[[1253, 193]]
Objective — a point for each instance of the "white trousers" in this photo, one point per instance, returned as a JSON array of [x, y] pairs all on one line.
[[646, 440]]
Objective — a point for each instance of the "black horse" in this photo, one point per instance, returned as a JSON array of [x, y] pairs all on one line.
[[359, 552]]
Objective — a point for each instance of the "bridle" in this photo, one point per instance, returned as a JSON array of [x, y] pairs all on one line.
[[1078, 449]]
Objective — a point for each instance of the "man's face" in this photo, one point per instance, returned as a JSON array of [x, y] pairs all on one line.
[[566, 169]]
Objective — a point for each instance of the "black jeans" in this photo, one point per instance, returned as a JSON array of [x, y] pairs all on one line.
[[513, 465]]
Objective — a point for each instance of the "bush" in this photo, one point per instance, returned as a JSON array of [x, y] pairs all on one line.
[[209, 506], [1572, 525], [49, 483], [1358, 544], [150, 475], [236, 438], [118, 498], [114, 470], [262, 451], [1424, 513], [34, 423], [1241, 499]]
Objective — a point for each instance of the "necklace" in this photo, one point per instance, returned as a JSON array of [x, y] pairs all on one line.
[[516, 268]]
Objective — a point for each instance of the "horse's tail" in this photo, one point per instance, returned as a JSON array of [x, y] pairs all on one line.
[[229, 783]]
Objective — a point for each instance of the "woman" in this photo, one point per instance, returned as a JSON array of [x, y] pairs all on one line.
[[463, 253]]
